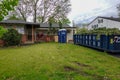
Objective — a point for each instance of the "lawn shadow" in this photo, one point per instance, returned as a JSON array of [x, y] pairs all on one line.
[[84, 73]]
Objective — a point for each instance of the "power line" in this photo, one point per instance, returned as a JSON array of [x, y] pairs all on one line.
[[103, 10], [111, 6]]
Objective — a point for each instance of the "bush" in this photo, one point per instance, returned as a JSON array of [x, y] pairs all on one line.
[[82, 31], [2, 31], [11, 37], [99, 31], [107, 31]]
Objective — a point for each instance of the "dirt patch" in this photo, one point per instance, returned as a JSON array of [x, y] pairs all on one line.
[[83, 73], [84, 65], [10, 78], [68, 68], [80, 64]]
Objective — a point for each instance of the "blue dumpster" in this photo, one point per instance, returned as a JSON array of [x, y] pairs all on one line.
[[80, 39], [98, 42], [104, 42], [62, 36], [87, 39], [77, 38], [94, 39], [90, 40], [116, 42], [84, 40], [113, 43], [74, 38], [109, 43]]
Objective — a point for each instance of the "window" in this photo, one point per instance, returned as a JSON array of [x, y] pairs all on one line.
[[95, 26], [92, 26], [100, 21]]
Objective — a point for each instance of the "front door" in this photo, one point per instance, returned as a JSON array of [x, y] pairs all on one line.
[[29, 34]]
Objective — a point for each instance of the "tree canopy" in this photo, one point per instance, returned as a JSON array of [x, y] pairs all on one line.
[[43, 10], [6, 6]]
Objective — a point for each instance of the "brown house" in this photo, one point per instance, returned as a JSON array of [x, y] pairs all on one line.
[[34, 32]]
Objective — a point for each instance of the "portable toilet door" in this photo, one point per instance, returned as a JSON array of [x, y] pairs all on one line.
[[62, 36]]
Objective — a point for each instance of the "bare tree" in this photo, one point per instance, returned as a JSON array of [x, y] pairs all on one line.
[[23, 10], [42, 10]]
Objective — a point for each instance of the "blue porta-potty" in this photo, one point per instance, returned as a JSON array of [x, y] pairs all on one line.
[[62, 36]]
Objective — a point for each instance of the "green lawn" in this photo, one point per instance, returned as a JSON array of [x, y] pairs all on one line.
[[53, 61]]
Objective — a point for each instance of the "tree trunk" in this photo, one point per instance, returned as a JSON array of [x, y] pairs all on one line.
[[35, 13]]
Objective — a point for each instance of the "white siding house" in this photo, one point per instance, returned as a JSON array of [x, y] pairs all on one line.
[[108, 22]]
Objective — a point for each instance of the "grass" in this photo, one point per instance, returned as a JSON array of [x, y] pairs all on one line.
[[53, 61]]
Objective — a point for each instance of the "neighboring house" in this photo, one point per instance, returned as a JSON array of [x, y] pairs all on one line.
[[108, 22], [34, 32]]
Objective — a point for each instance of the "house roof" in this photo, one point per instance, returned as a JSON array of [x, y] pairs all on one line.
[[109, 18], [45, 25], [17, 22], [42, 25]]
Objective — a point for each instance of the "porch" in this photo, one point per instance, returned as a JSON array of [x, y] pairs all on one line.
[[33, 33]]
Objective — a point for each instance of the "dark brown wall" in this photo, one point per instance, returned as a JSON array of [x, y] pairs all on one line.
[[1, 43]]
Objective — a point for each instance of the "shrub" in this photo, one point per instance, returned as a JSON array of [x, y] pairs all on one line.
[[99, 31], [107, 31], [82, 31], [11, 37], [2, 31]]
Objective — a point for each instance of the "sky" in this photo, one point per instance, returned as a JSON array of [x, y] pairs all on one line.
[[83, 11]]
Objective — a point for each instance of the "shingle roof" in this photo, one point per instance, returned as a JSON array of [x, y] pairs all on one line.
[[53, 25], [43, 25], [111, 18], [18, 22]]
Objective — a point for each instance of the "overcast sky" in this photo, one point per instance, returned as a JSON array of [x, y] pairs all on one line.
[[86, 10]]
